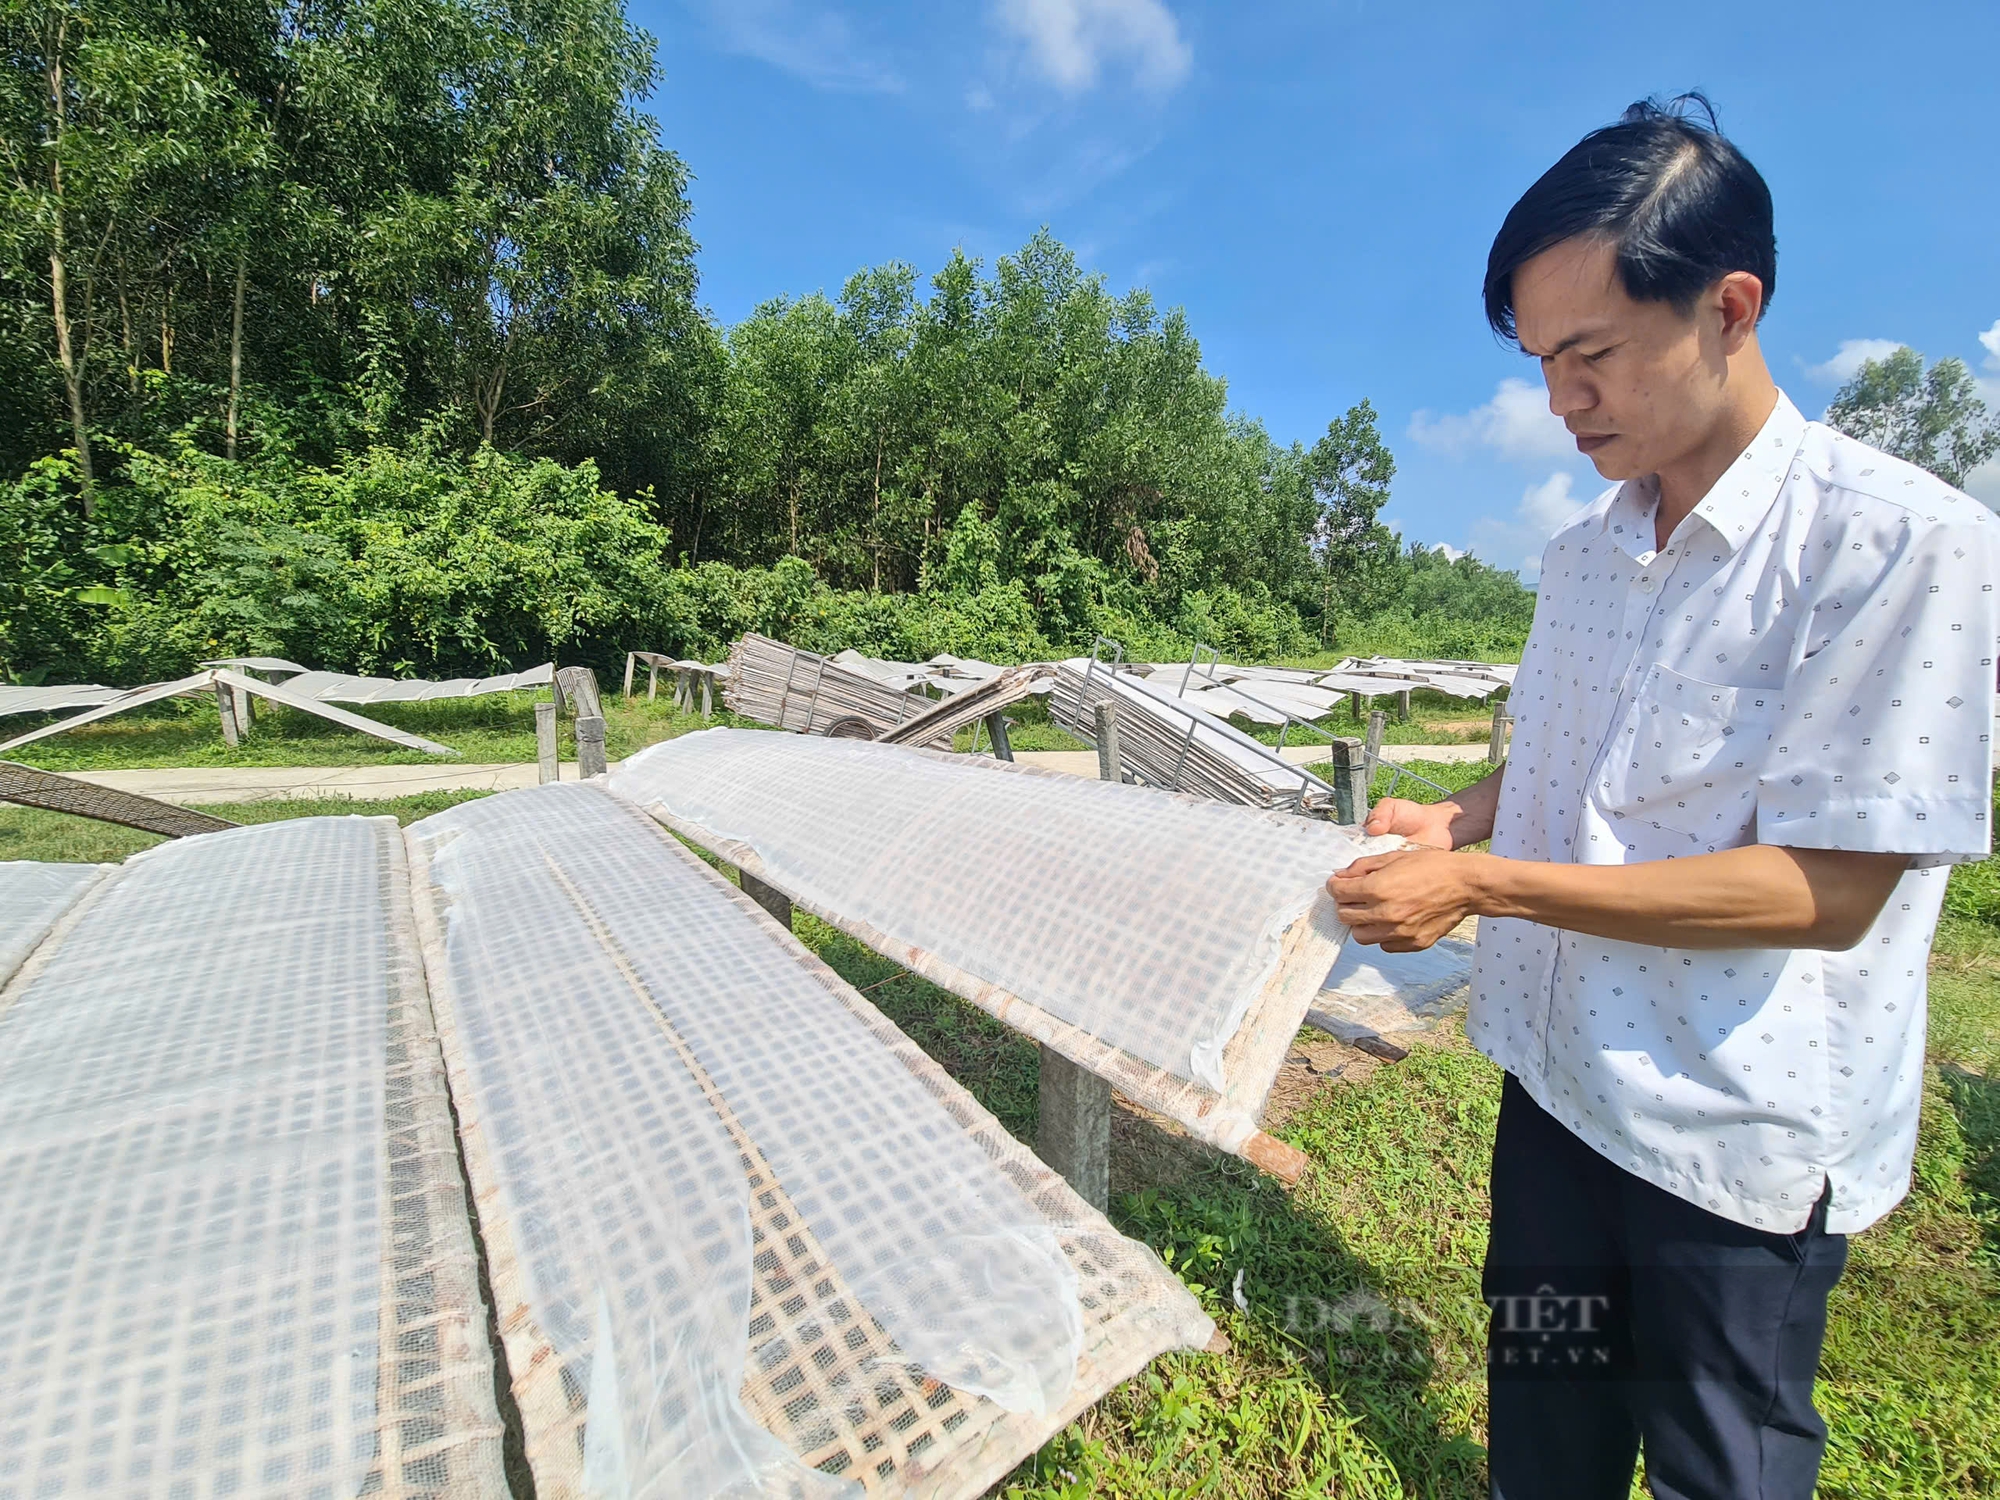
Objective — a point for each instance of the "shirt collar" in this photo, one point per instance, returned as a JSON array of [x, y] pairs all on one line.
[[1734, 504]]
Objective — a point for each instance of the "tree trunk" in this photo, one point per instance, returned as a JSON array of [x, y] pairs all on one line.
[[235, 358], [796, 481], [66, 354], [72, 375], [875, 525]]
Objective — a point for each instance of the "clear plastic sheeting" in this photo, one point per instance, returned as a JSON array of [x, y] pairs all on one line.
[[232, 1237], [32, 898], [1149, 920], [637, 1046]]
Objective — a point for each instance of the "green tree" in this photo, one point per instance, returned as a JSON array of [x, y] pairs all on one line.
[[1347, 473], [1931, 418]]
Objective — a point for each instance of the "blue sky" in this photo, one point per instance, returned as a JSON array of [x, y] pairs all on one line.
[[1317, 184]]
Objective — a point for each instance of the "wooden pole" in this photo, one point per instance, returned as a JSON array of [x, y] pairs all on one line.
[[545, 743], [1403, 706], [707, 695], [1073, 1127], [590, 745], [630, 658], [1109, 766], [1378, 729]]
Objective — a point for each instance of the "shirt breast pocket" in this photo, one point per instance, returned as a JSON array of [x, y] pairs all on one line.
[[1684, 762]]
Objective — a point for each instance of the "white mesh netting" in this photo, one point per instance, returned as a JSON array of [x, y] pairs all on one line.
[[32, 898], [232, 1236], [1148, 919], [632, 1041]]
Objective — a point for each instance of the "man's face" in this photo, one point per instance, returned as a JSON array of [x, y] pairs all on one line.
[[1637, 383]]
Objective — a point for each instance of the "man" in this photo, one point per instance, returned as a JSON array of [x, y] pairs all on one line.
[[1752, 728]]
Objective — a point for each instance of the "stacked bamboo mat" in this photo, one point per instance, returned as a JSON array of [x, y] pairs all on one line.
[[938, 723], [1169, 744], [781, 685]]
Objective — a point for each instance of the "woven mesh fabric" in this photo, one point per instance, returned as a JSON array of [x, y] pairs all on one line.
[[582, 945], [32, 898], [1148, 919], [232, 1234]]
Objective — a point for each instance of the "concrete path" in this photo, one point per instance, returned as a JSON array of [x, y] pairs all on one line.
[[191, 785], [197, 784]]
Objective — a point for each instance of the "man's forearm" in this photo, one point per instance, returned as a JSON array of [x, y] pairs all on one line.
[[1477, 806], [1758, 896]]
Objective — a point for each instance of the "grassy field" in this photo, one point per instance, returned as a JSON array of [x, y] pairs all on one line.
[[1352, 1302], [500, 728], [492, 730]]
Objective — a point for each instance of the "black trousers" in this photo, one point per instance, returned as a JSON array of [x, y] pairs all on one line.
[[1622, 1314]]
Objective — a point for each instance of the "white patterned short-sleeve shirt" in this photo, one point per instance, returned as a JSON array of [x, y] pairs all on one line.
[[1808, 662]]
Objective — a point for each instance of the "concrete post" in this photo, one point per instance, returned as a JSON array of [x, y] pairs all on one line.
[[1350, 781], [1109, 766], [1073, 1128], [996, 726], [707, 695], [1378, 730], [773, 900], [1496, 740], [590, 746], [225, 710], [630, 658], [1403, 706], [545, 742]]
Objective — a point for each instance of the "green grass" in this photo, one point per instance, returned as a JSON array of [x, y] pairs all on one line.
[[30, 833], [496, 729], [1355, 1366]]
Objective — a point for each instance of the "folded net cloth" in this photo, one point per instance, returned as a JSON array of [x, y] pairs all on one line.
[[1149, 921], [32, 898], [233, 1241], [726, 1203]]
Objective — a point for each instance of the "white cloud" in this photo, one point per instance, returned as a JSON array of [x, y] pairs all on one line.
[[1989, 383], [1516, 424], [1983, 483], [1520, 537], [1070, 42], [1451, 553], [816, 43], [1850, 357]]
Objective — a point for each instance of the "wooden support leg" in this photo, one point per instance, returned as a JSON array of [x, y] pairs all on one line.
[[545, 742], [225, 709], [773, 900], [1073, 1131], [1403, 706], [707, 696], [1378, 730], [1496, 740], [996, 726], [590, 746], [629, 660], [652, 681]]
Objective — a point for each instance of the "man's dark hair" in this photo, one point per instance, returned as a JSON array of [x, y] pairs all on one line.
[[1683, 206]]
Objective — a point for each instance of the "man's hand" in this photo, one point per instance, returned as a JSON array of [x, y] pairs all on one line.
[[1408, 900], [1427, 823]]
